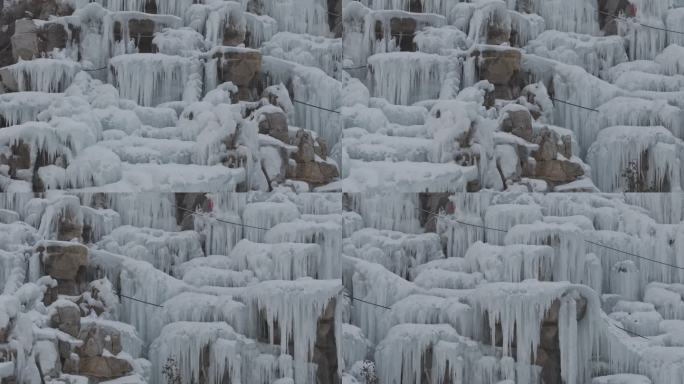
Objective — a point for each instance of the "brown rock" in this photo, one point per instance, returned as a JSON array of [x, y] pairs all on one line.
[[51, 36], [96, 339], [4, 333], [501, 67], [325, 350], [558, 171], [141, 31], [548, 145], [67, 319], [566, 148], [240, 67], [63, 260], [70, 365], [322, 148], [275, 124], [25, 43], [519, 123], [104, 367], [305, 144]]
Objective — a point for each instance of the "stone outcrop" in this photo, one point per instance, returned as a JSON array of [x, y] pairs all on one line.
[[104, 367], [97, 339], [31, 9], [66, 317], [311, 165], [66, 263], [519, 123], [241, 67], [325, 348], [274, 124], [501, 67]]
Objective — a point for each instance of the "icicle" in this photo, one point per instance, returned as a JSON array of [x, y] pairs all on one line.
[[296, 306], [326, 234], [151, 79], [567, 241], [407, 77]]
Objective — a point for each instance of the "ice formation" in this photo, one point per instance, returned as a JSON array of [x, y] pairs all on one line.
[[569, 64], [140, 302], [173, 85], [562, 287]]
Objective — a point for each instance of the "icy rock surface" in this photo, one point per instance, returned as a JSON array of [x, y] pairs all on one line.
[[189, 96], [533, 288], [116, 288], [545, 77]]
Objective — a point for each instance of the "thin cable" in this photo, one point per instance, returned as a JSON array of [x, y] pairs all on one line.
[[367, 302], [586, 241], [358, 67], [607, 322], [574, 105], [217, 219], [627, 331], [635, 255], [95, 69], [639, 23], [315, 106], [138, 300]]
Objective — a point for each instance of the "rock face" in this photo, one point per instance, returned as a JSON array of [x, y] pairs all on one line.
[[558, 172], [274, 124], [104, 367], [67, 318], [141, 31], [519, 123], [240, 66], [65, 262], [97, 339], [325, 348], [501, 66], [310, 167], [548, 352], [32, 9], [548, 355], [403, 30]]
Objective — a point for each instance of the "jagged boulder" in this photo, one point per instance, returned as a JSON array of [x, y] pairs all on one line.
[[104, 367], [97, 339], [239, 66], [274, 124], [557, 172], [501, 67], [547, 140], [62, 260], [325, 349], [519, 123], [309, 166], [66, 316]]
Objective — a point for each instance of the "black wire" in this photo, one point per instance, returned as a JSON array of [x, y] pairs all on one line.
[[138, 300], [574, 105], [217, 219], [628, 331], [96, 69], [315, 106], [364, 301], [586, 241], [635, 255], [636, 22]]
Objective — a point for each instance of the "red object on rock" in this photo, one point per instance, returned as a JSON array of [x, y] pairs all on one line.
[[210, 205]]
